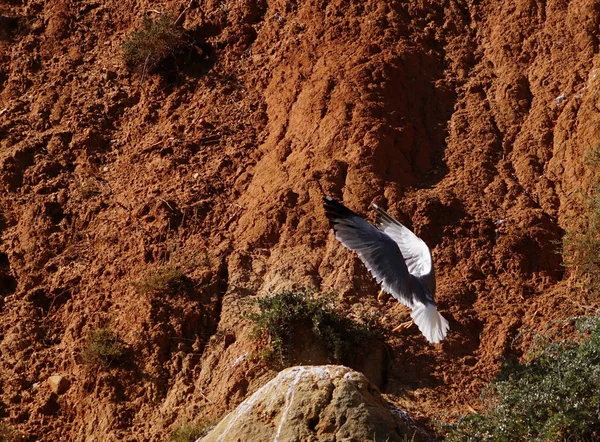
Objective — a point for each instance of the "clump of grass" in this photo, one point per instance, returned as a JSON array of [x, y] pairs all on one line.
[[166, 279], [581, 244], [282, 316], [90, 187], [102, 347], [555, 396], [155, 40], [189, 432]]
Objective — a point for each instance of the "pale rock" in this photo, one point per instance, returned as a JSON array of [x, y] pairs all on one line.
[[315, 404], [58, 384]]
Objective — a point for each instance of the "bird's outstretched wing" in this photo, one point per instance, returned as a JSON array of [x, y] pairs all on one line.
[[414, 250], [380, 253], [384, 253]]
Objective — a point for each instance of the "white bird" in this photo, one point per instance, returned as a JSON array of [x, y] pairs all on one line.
[[397, 258]]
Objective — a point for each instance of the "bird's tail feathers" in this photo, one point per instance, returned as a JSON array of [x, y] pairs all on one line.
[[433, 325]]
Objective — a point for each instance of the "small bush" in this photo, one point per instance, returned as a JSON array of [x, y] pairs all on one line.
[[581, 244], [153, 42], [102, 347], [165, 279], [283, 316], [555, 396]]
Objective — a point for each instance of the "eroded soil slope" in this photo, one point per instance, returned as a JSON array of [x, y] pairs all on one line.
[[469, 121]]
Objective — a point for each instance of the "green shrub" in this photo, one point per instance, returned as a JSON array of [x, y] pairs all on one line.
[[555, 396], [153, 42], [285, 316], [581, 243], [165, 279], [102, 347]]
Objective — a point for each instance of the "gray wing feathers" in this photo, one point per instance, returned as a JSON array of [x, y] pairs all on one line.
[[398, 259], [377, 250], [413, 249]]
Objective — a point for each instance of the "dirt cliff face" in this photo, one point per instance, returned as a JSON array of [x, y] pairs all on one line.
[[469, 121]]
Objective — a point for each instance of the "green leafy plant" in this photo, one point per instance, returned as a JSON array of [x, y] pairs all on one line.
[[581, 243], [285, 317], [102, 347], [155, 40], [554, 396]]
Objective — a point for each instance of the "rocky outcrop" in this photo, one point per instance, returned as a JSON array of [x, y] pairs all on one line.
[[315, 403]]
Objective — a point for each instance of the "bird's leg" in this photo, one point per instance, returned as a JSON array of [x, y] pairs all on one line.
[[404, 325], [383, 296]]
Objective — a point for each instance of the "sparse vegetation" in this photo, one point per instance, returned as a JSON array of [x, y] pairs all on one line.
[[285, 316], [6, 432], [90, 187], [581, 244], [155, 40], [165, 279], [102, 347], [189, 432], [554, 396]]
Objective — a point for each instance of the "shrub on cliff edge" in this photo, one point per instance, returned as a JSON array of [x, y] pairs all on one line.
[[285, 316], [554, 396]]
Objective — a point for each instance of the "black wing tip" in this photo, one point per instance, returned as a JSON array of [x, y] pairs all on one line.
[[378, 209], [330, 201], [335, 211], [384, 217]]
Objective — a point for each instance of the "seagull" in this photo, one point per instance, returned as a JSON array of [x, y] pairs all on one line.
[[397, 258]]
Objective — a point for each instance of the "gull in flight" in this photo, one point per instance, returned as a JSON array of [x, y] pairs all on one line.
[[397, 258]]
